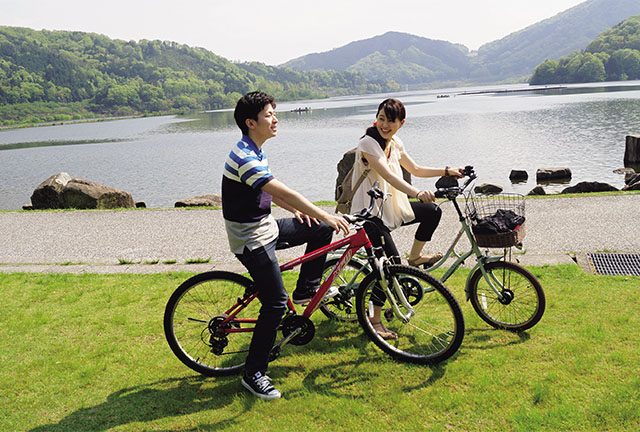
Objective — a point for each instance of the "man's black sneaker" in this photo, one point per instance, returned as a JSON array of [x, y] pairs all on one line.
[[301, 296], [260, 385]]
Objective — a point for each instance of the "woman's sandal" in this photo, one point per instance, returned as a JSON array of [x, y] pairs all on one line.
[[425, 260], [384, 332]]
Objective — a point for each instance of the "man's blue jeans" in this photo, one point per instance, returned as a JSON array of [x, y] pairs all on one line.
[[264, 269]]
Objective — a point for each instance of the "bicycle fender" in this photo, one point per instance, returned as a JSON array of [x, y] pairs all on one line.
[[486, 260], [210, 274]]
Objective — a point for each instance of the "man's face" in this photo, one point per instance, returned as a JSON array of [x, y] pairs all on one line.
[[266, 126]]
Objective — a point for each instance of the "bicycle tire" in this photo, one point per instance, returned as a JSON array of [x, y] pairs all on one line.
[[527, 300], [436, 330], [190, 314], [341, 307]]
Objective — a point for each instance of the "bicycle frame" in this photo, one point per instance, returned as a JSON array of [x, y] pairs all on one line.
[[352, 242], [481, 258]]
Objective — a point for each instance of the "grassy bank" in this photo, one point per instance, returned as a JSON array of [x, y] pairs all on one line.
[[87, 353]]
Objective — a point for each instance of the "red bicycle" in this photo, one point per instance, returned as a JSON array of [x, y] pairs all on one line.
[[209, 319]]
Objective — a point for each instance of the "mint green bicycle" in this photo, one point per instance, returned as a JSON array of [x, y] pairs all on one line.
[[503, 293]]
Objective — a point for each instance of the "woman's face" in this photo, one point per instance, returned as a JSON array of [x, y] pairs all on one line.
[[386, 127]]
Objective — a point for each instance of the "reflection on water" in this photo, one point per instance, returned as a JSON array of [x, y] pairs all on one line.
[[163, 159]]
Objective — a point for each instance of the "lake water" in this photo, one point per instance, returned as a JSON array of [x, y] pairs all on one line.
[[163, 159]]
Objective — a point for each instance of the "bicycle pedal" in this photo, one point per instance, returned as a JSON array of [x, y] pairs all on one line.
[[331, 293], [274, 353]]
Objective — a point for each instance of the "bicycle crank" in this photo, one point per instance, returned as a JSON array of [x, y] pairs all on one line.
[[300, 324]]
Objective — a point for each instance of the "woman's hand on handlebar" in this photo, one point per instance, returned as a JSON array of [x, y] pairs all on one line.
[[457, 172], [426, 196]]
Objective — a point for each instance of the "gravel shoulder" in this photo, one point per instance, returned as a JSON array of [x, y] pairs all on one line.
[[127, 241]]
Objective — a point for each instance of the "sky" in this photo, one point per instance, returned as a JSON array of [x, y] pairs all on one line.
[[275, 31]]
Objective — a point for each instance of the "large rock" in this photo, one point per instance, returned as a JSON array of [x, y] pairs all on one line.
[[632, 183], [207, 200], [47, 194], [488, 189], [84, 194], [518, 175], [345, 165], [632, 187], [584, 187], [61, 191], [632, 150], [538, 190], [550, 174], [633, 178]]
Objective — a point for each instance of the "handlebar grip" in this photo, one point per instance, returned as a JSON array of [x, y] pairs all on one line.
[[440, 193]]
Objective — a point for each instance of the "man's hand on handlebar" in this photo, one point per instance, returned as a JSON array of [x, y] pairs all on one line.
[[338, 223]]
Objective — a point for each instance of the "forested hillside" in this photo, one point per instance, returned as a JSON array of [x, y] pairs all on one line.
[[519, 53], [614, 55], [399, 57], [59, 75], [409, 59]]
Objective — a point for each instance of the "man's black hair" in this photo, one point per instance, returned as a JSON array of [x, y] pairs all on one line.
[[249, 106]]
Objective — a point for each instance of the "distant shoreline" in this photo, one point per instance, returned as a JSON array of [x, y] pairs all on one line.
[[80, 121]]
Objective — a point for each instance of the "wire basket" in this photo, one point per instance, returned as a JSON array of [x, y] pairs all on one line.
[[479, 207]]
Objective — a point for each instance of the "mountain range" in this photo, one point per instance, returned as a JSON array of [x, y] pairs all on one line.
[[62, 75], [410, 59]]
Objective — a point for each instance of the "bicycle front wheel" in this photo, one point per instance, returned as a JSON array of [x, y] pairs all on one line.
[[435, 330], [521, 303], [192, 323], [341, 307]]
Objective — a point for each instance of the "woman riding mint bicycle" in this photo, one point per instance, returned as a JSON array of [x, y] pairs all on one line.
[[503, 293], [380, 157]]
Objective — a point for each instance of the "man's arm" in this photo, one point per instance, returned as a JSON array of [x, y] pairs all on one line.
[[302, 218], [287, 196]]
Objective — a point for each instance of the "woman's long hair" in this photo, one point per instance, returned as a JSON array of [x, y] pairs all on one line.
[[373, 133]]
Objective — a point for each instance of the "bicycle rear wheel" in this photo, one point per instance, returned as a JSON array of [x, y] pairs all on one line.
[[435, 331], [192, 323], [523, 301], [341, 307]]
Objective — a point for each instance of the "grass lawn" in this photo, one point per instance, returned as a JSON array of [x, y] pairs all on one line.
[[87, 353]]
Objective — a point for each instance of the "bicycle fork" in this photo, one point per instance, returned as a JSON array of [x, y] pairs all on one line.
[[399, 294], [492, 281]]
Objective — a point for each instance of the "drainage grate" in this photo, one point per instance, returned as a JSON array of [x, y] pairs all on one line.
[[615, 264]]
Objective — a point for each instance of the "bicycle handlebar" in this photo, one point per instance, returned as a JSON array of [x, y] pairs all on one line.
[[375, 193], [365, 214], [454, 191]]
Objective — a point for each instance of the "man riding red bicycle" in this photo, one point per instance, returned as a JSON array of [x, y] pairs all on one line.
[[248, 189]]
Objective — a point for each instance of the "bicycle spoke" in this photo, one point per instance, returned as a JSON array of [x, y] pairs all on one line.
[[521, 302], [432, 334]]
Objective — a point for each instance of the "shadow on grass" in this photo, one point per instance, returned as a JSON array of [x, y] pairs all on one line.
[[365, 363], [489, 338], [147, 403], [159, 401]]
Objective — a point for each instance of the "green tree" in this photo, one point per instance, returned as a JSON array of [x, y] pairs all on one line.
[[545, 73], [624, 64], [591, 69]]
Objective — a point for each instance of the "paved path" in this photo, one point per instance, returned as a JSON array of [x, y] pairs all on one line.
[[99, 241]]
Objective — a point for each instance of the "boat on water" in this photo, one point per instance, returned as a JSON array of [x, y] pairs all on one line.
[[301, 109]]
